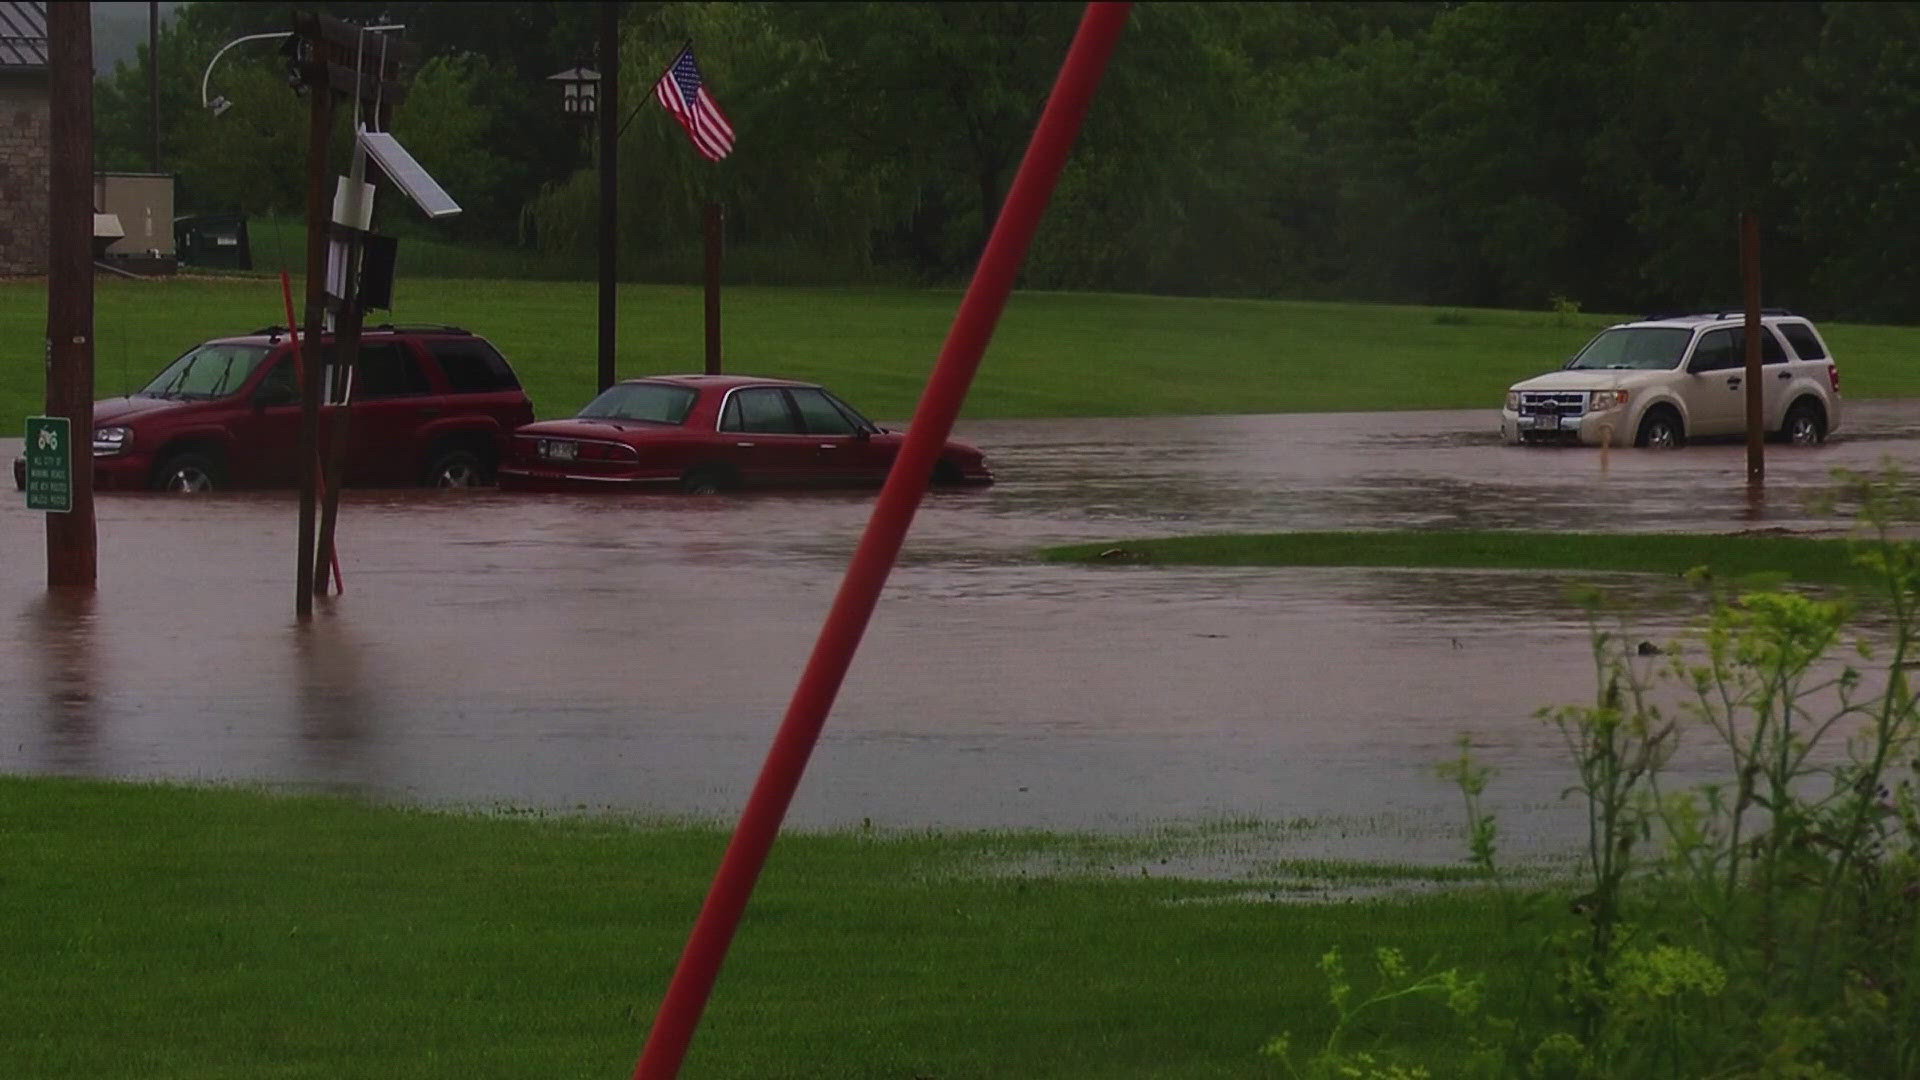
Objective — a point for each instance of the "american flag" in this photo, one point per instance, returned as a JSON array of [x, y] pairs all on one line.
[[681, 91]]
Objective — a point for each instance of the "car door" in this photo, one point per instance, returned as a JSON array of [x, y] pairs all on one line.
[[392, 402], [1776, 376], [1714, 386], [845, 451], [762, 439], [266, 431]]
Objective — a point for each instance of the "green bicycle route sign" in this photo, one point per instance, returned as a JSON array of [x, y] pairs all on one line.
[[50, 464]]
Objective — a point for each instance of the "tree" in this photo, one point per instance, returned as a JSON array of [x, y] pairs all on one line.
[[1850, 159]]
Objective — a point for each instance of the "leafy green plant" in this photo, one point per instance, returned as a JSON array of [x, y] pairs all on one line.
[[1565, 311], [1393, 981], [1766, 922]]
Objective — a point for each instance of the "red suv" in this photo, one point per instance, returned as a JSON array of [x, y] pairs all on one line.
[[431, 404]]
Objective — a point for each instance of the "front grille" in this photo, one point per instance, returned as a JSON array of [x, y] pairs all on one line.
[[1548, 403]]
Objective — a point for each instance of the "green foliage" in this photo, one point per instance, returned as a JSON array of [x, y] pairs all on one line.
[[1485, 154], [1765, 922], [1737, 557], [1393, 983]]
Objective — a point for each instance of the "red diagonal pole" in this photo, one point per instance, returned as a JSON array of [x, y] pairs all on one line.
[[879, 545]]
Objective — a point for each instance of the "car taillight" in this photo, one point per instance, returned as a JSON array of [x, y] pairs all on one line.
[[590, 451], [1833, 377]]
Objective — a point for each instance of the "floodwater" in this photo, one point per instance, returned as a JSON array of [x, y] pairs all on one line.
[[636, 653]]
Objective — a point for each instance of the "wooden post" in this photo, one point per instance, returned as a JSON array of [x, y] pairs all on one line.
[[713, 223], [319, 127], [347, 326], [346, 362], [71, 541], [1750, 279], [153, 77], [608, 113]]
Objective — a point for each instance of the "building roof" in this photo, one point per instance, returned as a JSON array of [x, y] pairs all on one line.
[[23, 35]]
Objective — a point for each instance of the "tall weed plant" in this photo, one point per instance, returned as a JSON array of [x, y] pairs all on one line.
[[1764, 922]]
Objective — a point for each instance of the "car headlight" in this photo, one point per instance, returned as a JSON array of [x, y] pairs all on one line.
[[1601, 400], [108, 441], [1513, 401]]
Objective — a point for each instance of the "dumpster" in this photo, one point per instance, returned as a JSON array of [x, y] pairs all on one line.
[[213, 240]]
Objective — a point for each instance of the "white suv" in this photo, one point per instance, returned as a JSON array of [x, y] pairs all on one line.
[[1665, 379]]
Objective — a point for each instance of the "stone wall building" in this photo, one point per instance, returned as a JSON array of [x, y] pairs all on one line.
[[23, 137]]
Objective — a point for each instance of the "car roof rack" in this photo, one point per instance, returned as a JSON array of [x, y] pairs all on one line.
[[1663, 316], [419, 328], [268, 331]]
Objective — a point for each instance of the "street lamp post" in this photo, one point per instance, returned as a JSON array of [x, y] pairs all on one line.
[[609, 178], [581, 90]]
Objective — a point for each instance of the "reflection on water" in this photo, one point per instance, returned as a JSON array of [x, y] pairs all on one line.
[[637, 652], [59, 625], [337, 713]]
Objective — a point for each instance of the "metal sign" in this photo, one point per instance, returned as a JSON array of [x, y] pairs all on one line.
[[50, 464]]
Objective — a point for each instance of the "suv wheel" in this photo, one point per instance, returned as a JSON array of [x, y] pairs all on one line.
[[457, 468], [189, 472], [1804, 426], [1660, 430]]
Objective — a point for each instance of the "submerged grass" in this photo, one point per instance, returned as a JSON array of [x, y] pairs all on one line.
[[214, 933], [1803, 559]]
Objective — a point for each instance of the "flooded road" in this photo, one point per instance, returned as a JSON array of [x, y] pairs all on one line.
[[636, 653]]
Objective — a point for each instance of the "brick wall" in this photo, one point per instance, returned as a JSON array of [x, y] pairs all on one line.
[[23, 178]]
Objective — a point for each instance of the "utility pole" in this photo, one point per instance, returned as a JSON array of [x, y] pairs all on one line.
[[153, 77], [1750, 281], [609, 116], [319, 127], [71, 551], [332, 57], [354, 204]]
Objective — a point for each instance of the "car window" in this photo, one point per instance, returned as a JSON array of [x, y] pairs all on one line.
[[277, 385], [658, 403], [1804, 341], [1723, 349], [386, 370], [1770, 350], [1716, 352], [1637, 348], [759, 409], [820, 415], [472, 366], [207, 371]]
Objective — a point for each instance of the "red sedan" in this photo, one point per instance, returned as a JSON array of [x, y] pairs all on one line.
[[708, 433]]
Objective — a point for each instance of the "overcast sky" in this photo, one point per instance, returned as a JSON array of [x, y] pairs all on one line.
[[119, 29]]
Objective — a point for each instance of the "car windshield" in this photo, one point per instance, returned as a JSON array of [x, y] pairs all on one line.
[[655, 403], [1634, 348], [209, 371]]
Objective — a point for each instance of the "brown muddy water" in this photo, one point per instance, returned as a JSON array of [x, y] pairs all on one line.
[[636, 653]]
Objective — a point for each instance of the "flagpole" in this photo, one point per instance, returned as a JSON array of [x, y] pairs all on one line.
[[712, 226]]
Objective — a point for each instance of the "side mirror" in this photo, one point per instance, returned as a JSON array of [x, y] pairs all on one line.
[[862, 434]]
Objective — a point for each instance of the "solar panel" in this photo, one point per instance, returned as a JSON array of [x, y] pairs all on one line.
[[407, 175]]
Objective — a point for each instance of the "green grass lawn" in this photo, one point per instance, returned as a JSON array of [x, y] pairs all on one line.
[[1055, 354], [1807, 560], [219, 933]]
